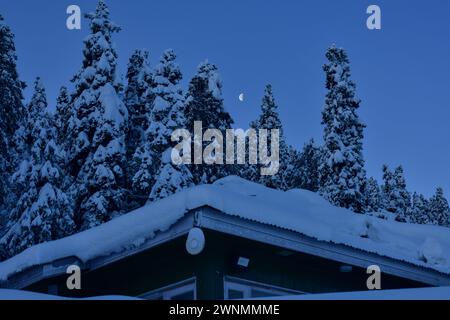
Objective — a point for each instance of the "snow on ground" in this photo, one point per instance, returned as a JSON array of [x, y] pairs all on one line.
[[26, 295], [438, 293], [297, 210]]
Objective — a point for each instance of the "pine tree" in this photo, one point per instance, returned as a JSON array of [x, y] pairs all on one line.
[[63, 114], [342, 169], [137, 98], [305, 174], [42, 212], [387, 189], [170, 178], [293, 175], [97, 126], [11, 108], [204, 103], [403, 197], [373, 196], [248, 170], [395, 196], [61, 122], [147, 156], [168, 97], [419, 212], [269, 120], [439, 209], [157, 177]]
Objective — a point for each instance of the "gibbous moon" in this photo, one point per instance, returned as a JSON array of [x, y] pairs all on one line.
[[241, 97]]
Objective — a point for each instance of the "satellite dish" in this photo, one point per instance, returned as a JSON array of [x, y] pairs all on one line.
[[195, 242]]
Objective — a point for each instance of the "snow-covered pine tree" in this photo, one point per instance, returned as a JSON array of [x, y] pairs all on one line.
[[42, 212], [11, 108], [63, 114], [145, 158], [157, 177], [269, 119], [439, 208], [137, 94], [387, 189], [342, 170], [287, 166], [248, 170], [171, 178], [97, 126], [311, 156], [396, 198], [293, 176], [419, 212], [168, 96], [61, 121], [305, 174], [373, 196], [204, 103], [403, 197]]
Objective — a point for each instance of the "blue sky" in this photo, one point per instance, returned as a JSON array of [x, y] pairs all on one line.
[[402, 71]]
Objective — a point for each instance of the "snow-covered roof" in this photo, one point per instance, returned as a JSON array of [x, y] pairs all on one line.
[[299, 211]]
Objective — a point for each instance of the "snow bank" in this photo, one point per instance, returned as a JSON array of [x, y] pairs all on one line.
[[438, 293], [296, 210], [26, 295]]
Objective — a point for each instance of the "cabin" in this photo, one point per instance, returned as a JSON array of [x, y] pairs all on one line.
[[235, 240]]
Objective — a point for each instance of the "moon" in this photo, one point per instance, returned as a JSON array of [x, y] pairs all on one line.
[[241, 97]]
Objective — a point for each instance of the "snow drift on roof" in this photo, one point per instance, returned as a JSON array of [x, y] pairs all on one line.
[[296, 210]]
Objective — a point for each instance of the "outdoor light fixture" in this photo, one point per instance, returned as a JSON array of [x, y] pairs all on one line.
[[243, 262], [195, 242]]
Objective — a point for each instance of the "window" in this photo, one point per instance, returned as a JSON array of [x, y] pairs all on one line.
[[235, 288], [184, 290]]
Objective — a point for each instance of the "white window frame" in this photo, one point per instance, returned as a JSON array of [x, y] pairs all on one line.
[[246, 287], [168, 292]]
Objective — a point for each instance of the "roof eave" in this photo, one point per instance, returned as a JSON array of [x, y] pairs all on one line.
[[233, 225]]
